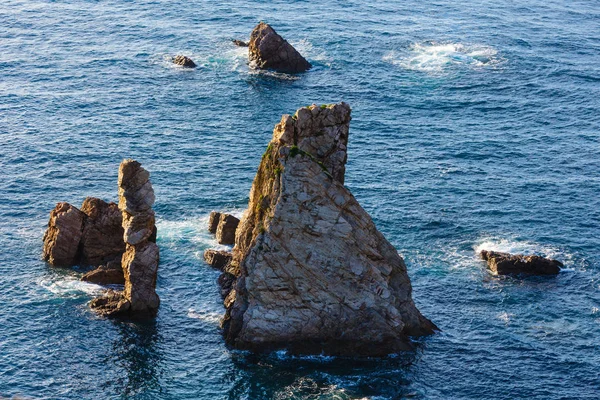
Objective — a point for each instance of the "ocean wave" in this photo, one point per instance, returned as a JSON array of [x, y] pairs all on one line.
[[212, 317], [434, 57], [71, 287]]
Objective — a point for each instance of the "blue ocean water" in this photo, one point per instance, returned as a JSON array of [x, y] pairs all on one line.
[[476, 124]]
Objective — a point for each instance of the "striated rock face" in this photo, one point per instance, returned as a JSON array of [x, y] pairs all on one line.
[[61, 240], [313, 273], [102, 238], [505, 263], [217, 259], [268, 50], [141, 257], [213, 221], [184, 61], [226, 229]]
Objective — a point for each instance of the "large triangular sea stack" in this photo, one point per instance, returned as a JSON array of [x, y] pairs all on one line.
[[313, 273], [268, 50]]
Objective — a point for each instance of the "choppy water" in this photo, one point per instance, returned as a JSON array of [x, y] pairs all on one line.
[[476, 124]]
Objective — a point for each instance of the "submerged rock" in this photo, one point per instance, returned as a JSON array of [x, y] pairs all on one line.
[[61, 240], [239, 43], [313, 273], [505, 263], [141, 257], [217, 259], [213, 221], [226, 229], [184, 61], [268, 50], [109, 274]]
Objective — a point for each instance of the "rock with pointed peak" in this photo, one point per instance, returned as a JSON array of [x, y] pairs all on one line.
[[184, 61], [313, 273], [268, 50]]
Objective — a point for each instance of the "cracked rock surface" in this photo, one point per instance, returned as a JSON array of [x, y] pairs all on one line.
[[268, 50], [312, 272]]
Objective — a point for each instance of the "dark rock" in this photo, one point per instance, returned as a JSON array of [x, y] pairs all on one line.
[[505, 263], [213, 221], [184, 61], [109, 274], [217, 259], [225, 282], [226, 229], [268, 50], [61, 240], [102, 238], [239, 43]]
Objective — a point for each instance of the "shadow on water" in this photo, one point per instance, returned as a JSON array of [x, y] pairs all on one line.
[[135, 352], [279, 376]]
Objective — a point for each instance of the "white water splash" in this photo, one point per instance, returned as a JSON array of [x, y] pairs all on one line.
[[70, 287], [433, 57], [212, 317]]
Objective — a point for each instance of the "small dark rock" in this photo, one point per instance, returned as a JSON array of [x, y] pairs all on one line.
[[184, 61], [217, 259], [226, 229], [108, 274], [239, 43], [225, 282], [213, 221], [505, 263]]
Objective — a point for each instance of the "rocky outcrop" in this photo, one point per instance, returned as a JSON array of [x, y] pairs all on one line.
[[226, 229], [141, 257], [313, 273], [102, 238], [90, 236], [109, 274], [61, 240], [184, 61], [505, 264], [239, 43], [217, 259], [213, 221], [268, 50]]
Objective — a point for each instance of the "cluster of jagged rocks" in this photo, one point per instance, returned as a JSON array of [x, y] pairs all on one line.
[[266, 50], [120, 238]]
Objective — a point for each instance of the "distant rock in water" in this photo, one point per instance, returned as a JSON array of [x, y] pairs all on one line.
[[312, 272], [61, 240], [226, 229], [239, 43], [90, 236], [217, 259], [141, 257], [109, 274], [505, 264], [184, 61], [268, 50]]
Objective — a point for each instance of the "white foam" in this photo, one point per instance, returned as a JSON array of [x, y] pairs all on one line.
[[70, 286], [212, 317], [433, 57]]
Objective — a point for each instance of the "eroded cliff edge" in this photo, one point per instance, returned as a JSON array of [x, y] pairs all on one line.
[[312, 272]]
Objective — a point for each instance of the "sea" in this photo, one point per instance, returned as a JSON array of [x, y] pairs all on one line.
[[476, 125]]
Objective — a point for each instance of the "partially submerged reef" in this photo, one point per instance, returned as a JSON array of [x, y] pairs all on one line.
[[120, 239], [310, 272]]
